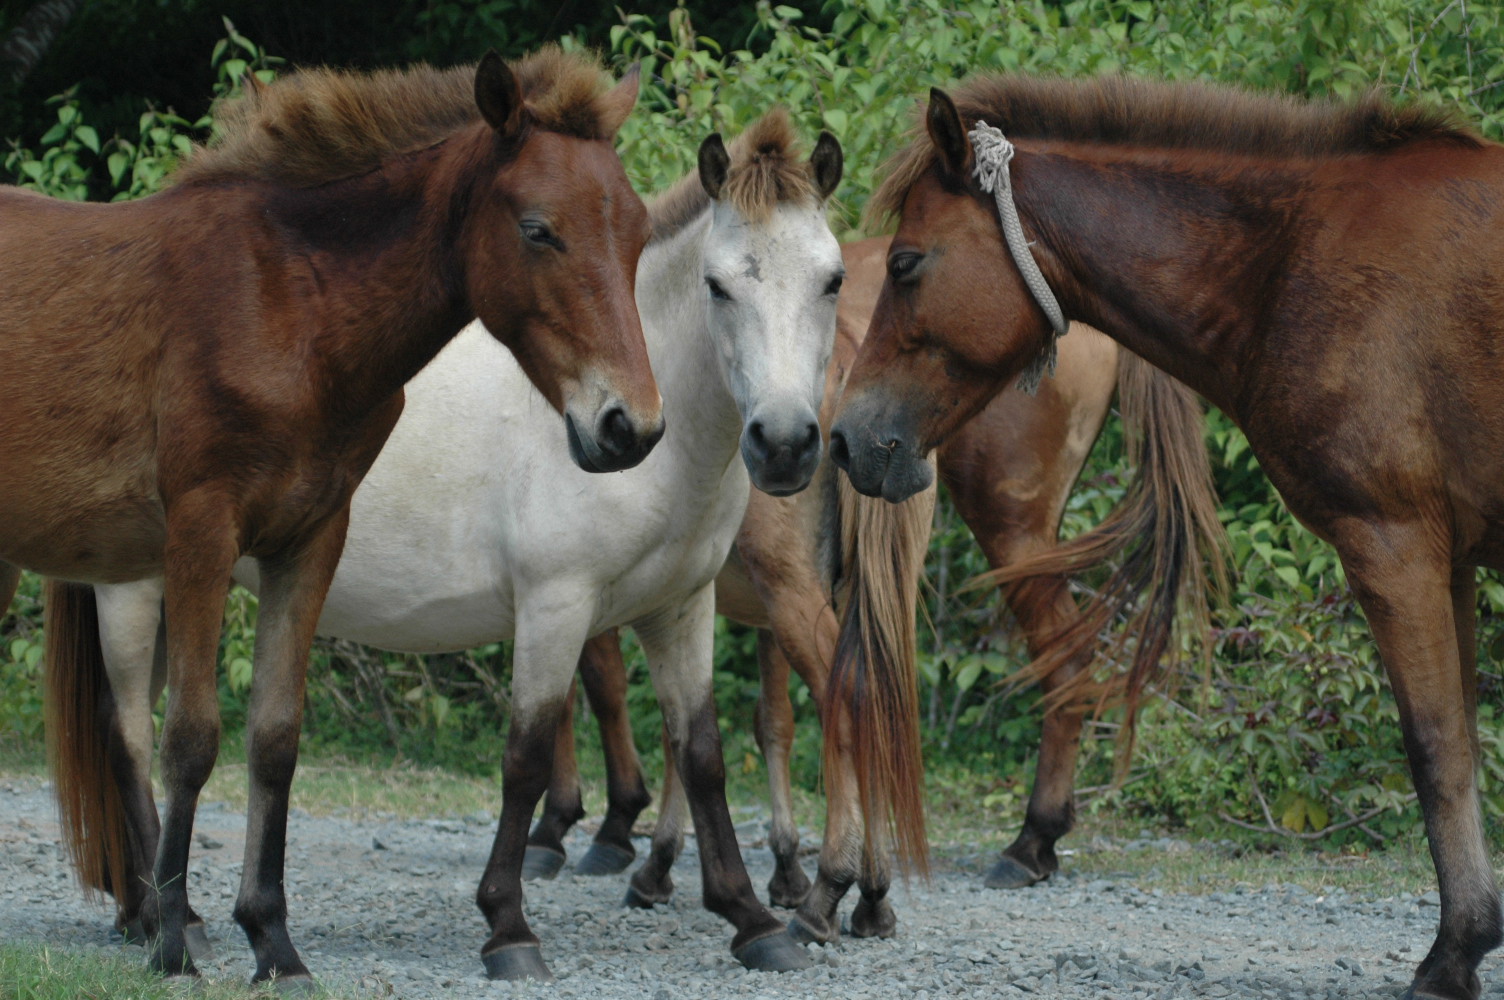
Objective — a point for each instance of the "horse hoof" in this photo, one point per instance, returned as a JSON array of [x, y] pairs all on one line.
[[132, 933], [778, 952], [605, 859], [875, 920], [808, 930], [541, 863], [516, 963], [1419, 991], [294, 986], [1010, 874], [639, 900], [197, 940]]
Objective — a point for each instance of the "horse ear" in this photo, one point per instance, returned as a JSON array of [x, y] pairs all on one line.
[[827, 162], [943, 122], [714, 164], [497, 94], [619, 101]]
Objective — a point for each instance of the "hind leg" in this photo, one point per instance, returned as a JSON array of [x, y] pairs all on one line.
[[604, 676], [562, 803], [775, 738], [1044, 608], [652, 883]]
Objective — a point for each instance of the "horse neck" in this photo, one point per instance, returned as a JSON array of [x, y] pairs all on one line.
[[1173, 262], [702, 417], [378, 254]]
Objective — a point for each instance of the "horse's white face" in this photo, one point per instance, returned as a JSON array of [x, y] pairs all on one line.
[[772, 289]]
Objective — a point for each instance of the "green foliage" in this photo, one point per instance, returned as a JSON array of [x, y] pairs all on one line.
[[21, 664]]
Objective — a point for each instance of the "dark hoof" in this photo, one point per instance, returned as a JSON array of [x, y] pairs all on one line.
[[541, 863], [809, 930], [1430, 991], [516, 963], [294, 986], [605, 859], [197, 940], [639, 900], [170, 961], [777, 952], [788, 889], [873, 920], [132, 933], [1011, 874]]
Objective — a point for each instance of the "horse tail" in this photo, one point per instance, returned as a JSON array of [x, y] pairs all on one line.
[[1163, 531], [77, 698], [873, 675]]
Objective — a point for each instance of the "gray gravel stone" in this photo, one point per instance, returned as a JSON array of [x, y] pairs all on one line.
[[385, 908]]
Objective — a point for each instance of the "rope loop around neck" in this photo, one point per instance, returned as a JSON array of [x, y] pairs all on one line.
[[993, 152]]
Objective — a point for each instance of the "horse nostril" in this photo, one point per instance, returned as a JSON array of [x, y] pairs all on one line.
[[811, 436], [757, 436], [839, 453], [616, 434]]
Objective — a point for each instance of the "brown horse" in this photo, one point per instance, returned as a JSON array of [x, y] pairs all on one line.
[[225, 359], [1330, 276], [1010, 471]]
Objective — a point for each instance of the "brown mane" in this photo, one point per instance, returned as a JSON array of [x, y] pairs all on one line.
[[320, 125], [767, 167], [1122, 110]]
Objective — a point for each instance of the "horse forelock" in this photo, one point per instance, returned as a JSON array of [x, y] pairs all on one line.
[[1128, 111], [767, 169], [319, 125]]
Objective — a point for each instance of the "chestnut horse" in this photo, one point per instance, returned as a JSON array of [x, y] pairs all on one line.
[[207, 374], [472, 527], [1331, 276], [1010, 471]]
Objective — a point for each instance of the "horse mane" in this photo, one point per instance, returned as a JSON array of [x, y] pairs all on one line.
[[1123, 110], [767, 167], [319, 125]]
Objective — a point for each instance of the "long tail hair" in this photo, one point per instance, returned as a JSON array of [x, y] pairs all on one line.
[[874, 675], [77, 704], [1165, 532]]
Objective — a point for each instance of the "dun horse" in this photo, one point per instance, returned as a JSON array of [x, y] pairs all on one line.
[[1331, 276], [1010, 471], [207, 374], [471, 528]]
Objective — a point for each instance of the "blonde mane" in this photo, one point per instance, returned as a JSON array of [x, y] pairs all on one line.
[[320, 125], [767, 167]]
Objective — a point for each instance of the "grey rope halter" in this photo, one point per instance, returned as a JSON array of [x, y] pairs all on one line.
[[993, 152]]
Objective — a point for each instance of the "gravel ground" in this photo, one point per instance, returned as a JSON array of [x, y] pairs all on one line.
[[384, 908]]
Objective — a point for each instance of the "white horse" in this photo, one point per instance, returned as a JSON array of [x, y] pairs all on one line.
[[472, 527]]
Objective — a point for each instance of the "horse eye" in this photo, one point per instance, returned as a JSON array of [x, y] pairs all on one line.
[[834, 288], [716, 291], [901, 266], [537, 232]]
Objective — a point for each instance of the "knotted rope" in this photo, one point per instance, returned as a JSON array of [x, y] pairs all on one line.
[[993, 152]]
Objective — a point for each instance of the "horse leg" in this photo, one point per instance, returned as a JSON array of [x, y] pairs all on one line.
[[200, 551], [1044, 608], [562, 807], [652, 883], [604, 674], [1409, 592], [543, 661], [775, 738], [293, 587], [10, 579], [678, 643]]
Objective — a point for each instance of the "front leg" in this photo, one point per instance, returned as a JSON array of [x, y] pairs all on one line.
[[202, 545], [293, 587], [678, 644], [549, 637], [1405, 583]]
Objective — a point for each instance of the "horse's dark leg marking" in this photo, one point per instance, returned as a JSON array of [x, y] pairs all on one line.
[[562, 804]]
